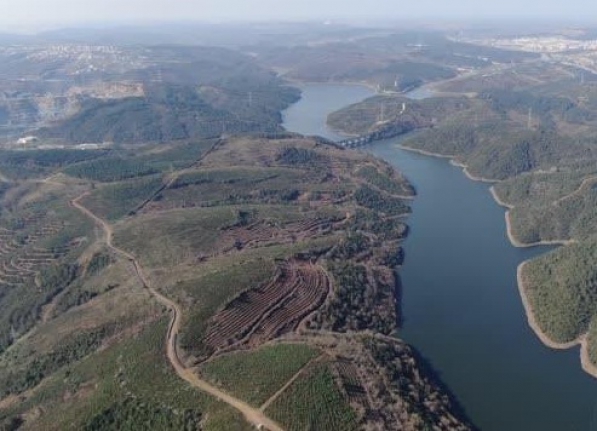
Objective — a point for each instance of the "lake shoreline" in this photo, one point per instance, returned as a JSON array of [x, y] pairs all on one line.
[[300, 83], [513, 240], [585, 361], [453, 162]]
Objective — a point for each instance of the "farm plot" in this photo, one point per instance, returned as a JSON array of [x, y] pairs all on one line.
[[117, 200], [38, 250], [264, 233], [230, 186], [313, 401], [350, 383], [160, 239], [268, 311], [21, 259], [255, 376]]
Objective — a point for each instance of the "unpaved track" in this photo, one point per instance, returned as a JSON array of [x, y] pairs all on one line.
[[578, 191], [253, 415], [280, 391]]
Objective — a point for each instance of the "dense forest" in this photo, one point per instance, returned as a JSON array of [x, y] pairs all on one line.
[[174, 112]]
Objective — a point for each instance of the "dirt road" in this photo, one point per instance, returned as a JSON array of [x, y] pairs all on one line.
[[253, 415]]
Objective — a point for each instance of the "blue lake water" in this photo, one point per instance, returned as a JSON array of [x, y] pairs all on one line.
[[460, 304]]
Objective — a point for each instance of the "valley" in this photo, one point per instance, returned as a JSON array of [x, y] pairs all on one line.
[[252, 273], [184, 246]]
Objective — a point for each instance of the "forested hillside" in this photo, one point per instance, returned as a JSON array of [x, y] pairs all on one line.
[[174, 111], [537, 142], [398, 61], [93, 94], [137, 283]]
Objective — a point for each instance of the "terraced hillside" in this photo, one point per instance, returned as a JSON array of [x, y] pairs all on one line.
[[211, 285]]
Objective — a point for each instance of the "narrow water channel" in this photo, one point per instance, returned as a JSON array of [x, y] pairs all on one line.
[[461, 305]]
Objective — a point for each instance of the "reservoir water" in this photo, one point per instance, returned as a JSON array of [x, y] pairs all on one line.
[[461, 306]]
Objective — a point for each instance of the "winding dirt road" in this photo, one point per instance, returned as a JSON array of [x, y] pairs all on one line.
[[578, 191], [253, 415]]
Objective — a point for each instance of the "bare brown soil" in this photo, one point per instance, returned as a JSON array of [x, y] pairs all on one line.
[[263, 233], [269, 311]]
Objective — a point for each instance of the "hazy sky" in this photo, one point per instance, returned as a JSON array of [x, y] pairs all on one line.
[[25, 13]]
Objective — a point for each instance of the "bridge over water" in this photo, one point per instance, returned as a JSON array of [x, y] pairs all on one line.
[[385, 133]]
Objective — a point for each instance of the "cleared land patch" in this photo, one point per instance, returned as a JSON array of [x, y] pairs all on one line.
[[271, 310], [256, 375], [314, 401]]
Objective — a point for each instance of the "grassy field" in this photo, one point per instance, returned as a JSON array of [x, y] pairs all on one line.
[[115, 201], [169, 238], [255, 376]]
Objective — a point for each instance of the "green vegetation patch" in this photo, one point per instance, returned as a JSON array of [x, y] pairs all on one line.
[[178, 156], [545, 107], [132, 414], [34, 163], [295, 156], [371, 221], [314, 402], [237, 186], [592, 342], [169, 238], [227, 176], [128, 383], [255, 376], [226, 418], [385, 181], [21, 306], [400, 114], [114, 201], [497, 147], [356, 303], [427, 403], [98, 262], [49, 158], [571, 217], [81, 345], [562, 289], [110, 169], [95, 281], [538, 187], [375, 200]]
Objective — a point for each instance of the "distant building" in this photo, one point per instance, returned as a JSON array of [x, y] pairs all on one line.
[[88, 146], [27, 140]]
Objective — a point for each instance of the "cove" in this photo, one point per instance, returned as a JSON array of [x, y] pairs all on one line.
[[460, 301]]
